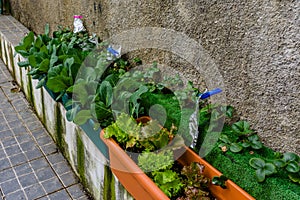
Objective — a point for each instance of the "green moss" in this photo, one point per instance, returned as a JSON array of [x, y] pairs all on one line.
[[43, 107], [30, 91], [59, 128], [81, 160], [237, 168], [109, 184], [176, 113]]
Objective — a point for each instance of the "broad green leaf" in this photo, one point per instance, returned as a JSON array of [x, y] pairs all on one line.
[[257, 163], [100, 110], [33, 72], [246, 144], [80, 92], [72, 113], [32, 61], [57, 84], [44, 65], [293, 167], [22, 50], [269, 169], [260, 175], [279, 163], [295, 177], [41, 83], [224, 138], [255, 142], [82, 117], [23, 63], [54, 57], [229, 111], [235, 147], [28, 40], [289, 156], [256, 145], [241, 127], [38, 42], [106, 93]]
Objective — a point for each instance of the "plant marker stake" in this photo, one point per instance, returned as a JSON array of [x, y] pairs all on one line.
[[209, 93], [193, 122]]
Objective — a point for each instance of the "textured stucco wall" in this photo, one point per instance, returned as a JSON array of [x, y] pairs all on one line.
[[255, 44]]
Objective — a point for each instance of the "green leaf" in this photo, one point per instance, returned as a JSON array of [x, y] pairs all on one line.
[[41, 83], [279, 163], [293, 167], [54, 57], [224, 138], [257, 163], [72, 113], [23, 63], [241, 127], [57, 84], [106, 93], [38, 42], [255, 142], [80, 92], [246, 144], [82, 117], [235, 147], [220, 181], [44, 66], [28, 40], [289, 156], [229, 111], [269, 169], [32, 61], [295, 177], [101, 111], [260, 175]]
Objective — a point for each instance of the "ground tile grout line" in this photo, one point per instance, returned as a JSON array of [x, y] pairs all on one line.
[[41, 150], [44, 155]]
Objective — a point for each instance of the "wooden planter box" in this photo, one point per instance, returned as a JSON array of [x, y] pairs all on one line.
[[140, 186]]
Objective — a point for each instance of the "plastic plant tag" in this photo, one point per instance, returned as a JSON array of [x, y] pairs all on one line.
[[210, 93], [113, 51], [78, 24]]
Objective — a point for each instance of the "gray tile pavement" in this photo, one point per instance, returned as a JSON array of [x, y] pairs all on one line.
[[31, 167]]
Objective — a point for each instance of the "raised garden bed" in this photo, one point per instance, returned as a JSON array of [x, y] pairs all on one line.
[[231, 155]]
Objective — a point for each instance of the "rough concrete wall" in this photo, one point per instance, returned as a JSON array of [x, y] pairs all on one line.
[[255, 44]]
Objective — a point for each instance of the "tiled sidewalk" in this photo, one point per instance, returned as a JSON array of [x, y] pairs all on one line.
[[31, 167]]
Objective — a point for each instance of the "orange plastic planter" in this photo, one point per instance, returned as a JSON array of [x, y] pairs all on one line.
[[141, 187]]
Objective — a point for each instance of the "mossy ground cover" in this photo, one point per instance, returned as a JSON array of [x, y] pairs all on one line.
[[233, 165], [176, 114], [236, 167]]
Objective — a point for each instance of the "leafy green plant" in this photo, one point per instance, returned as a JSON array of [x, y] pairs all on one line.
[[239, 136], [263, 168], [155, 161], [195, 183], [290, 162], [158, 166], [54, 61], [168, 181], [140, 136], [220, 181], [241, 128]]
